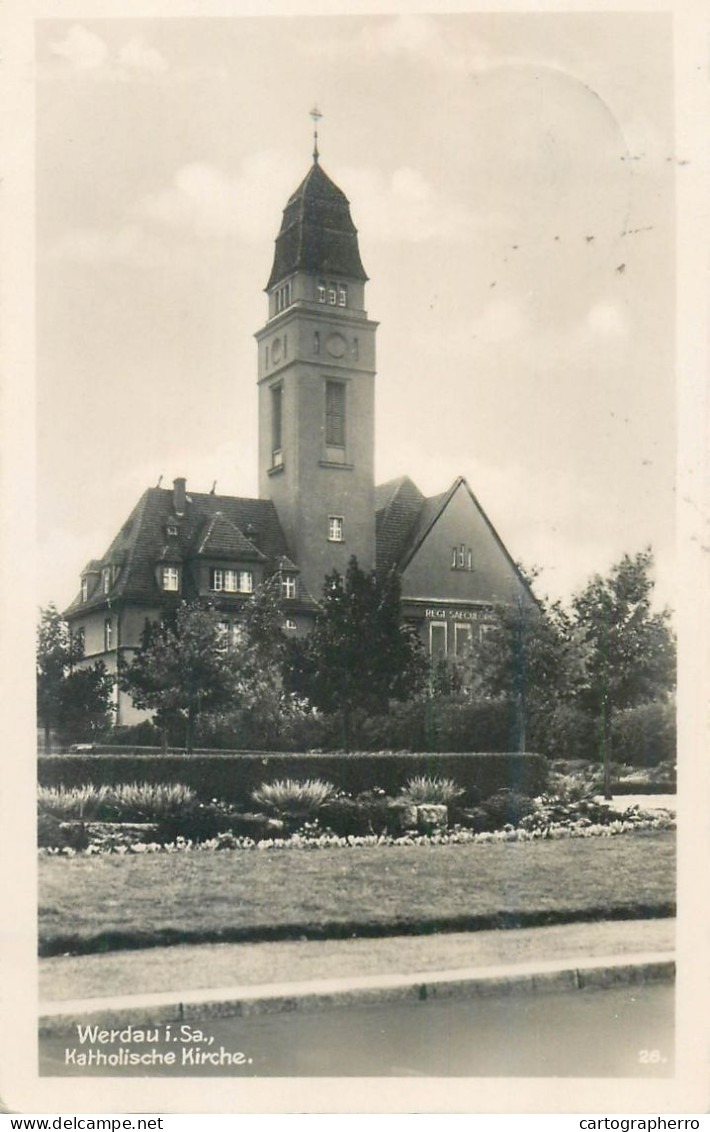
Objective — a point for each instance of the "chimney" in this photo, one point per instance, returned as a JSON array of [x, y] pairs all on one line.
[[179, 495]]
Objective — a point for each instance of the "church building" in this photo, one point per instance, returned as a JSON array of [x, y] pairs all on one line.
[[318, 503]]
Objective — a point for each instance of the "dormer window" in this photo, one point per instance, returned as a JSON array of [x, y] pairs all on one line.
[[231, 581], [170, 579], [106, 579], [84, 589], [172, 530], [288, 586]]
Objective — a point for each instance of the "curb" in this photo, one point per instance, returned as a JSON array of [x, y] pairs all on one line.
[[526, 978]]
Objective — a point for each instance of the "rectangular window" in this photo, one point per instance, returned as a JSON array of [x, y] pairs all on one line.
[[223, 633], [288, 586], [108, 635], [290, 624], [342, 296], [335, 528], [334, 414], [454, 558], [246, 582], [462, 556], [106, 579], [84, 589], [217, 580], [231, 580], [276, 422], [332, 295], [321, 292], [437, 640], [462, 639], [470, 560], [79, 642], [171, 578]]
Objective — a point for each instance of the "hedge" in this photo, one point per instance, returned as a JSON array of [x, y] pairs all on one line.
[[231, 776]]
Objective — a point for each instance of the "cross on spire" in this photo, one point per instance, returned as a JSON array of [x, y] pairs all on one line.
[[316, 116]]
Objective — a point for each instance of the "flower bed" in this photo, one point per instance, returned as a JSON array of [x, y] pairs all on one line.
[[313, 837]]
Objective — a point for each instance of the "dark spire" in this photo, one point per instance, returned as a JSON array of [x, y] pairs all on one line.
[[316, 116], [317, 233]]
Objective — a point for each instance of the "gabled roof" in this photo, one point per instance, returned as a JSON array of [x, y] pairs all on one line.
[[317, 233], [220, 538], [398, 506], [142, 541], [405, 518]]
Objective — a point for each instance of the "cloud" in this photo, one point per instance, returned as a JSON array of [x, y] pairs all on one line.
[[137, 55], [82, 49], [405, 206], [128, 245], [422, 39], [204, 199], [87, 53]]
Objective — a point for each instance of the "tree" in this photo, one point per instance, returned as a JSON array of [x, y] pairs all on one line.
[[359, 654], [86, 704], [76, 701], [261, 705], [629, 650], [529, 655], [184, 668]]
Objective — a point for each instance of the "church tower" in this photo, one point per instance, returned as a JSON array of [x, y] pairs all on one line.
[[316, 377]]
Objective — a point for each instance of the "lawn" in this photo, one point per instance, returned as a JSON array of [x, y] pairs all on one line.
[[104, 902]]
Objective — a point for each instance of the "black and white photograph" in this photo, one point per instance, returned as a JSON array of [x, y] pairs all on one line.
[[368, 551]]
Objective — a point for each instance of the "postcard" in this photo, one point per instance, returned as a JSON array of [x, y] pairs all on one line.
[[356, 496]]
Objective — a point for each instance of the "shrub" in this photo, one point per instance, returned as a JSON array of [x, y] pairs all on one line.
[[566, 732], [421, 790], [130, 801], [233, 776], [645, 736], [144, 734], [507, 807], [293, 799]]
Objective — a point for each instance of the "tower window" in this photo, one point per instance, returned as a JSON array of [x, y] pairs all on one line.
[[106, 579], [108, 635], [335, 528], [276, 423], [84, 589], [342, 295], [334, 414]]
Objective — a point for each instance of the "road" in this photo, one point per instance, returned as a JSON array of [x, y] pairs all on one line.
[[622, 1032]]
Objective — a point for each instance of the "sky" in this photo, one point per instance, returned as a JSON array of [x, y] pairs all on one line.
[[512, 180]]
